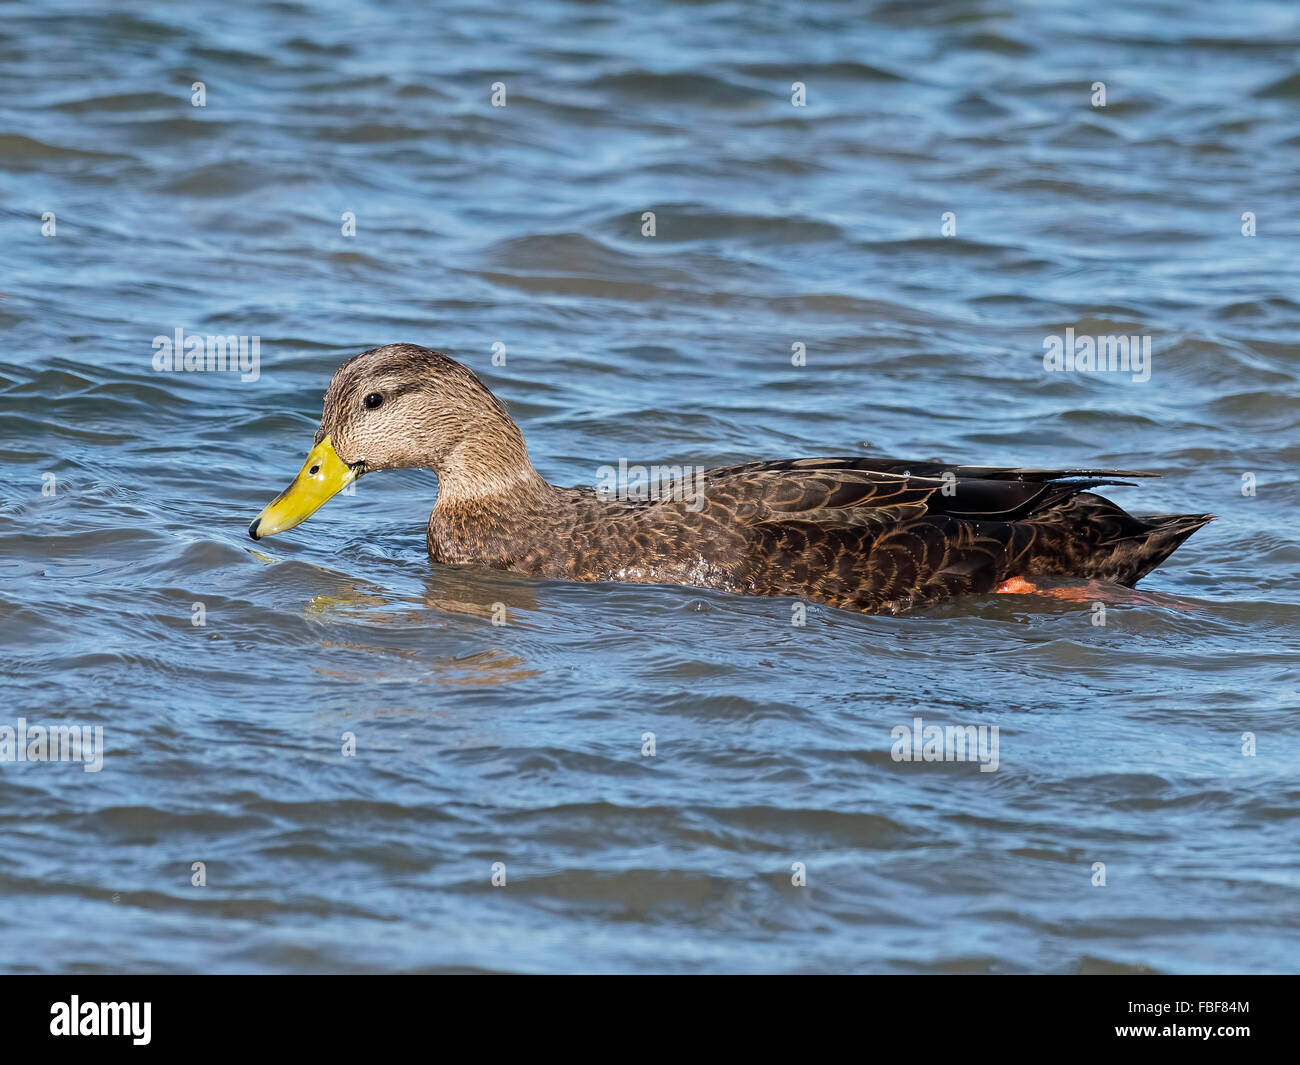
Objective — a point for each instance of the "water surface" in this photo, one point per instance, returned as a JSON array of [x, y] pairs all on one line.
[[521, 226]]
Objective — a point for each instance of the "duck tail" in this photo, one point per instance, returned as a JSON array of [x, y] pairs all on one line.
[[1160, 536]]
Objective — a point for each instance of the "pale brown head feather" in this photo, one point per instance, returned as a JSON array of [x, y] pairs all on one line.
[[435, 413]]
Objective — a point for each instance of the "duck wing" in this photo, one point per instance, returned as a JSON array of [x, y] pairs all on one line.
[[875, 491], [886, 535]]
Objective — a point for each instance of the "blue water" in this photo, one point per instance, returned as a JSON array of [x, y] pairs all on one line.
[[522, 743]]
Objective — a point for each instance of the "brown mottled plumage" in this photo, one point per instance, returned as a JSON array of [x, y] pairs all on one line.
[[877, 535]]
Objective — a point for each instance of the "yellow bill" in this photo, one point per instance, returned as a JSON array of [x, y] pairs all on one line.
[[322, 476]]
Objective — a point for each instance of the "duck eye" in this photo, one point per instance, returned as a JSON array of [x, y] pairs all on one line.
[[373, 400]]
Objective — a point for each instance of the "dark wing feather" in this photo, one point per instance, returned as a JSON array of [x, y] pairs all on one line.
[[907, 467], [847, 489], [887, 534]]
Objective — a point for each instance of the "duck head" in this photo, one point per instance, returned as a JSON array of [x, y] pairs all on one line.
[[398, 407]]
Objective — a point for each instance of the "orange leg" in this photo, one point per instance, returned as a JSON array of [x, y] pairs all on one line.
[[1092, 592], [1020, 586]]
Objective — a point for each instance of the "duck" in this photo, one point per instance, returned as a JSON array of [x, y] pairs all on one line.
[[874, 535]]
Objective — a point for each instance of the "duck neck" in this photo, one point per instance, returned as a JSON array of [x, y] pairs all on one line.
[[489, 469]]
